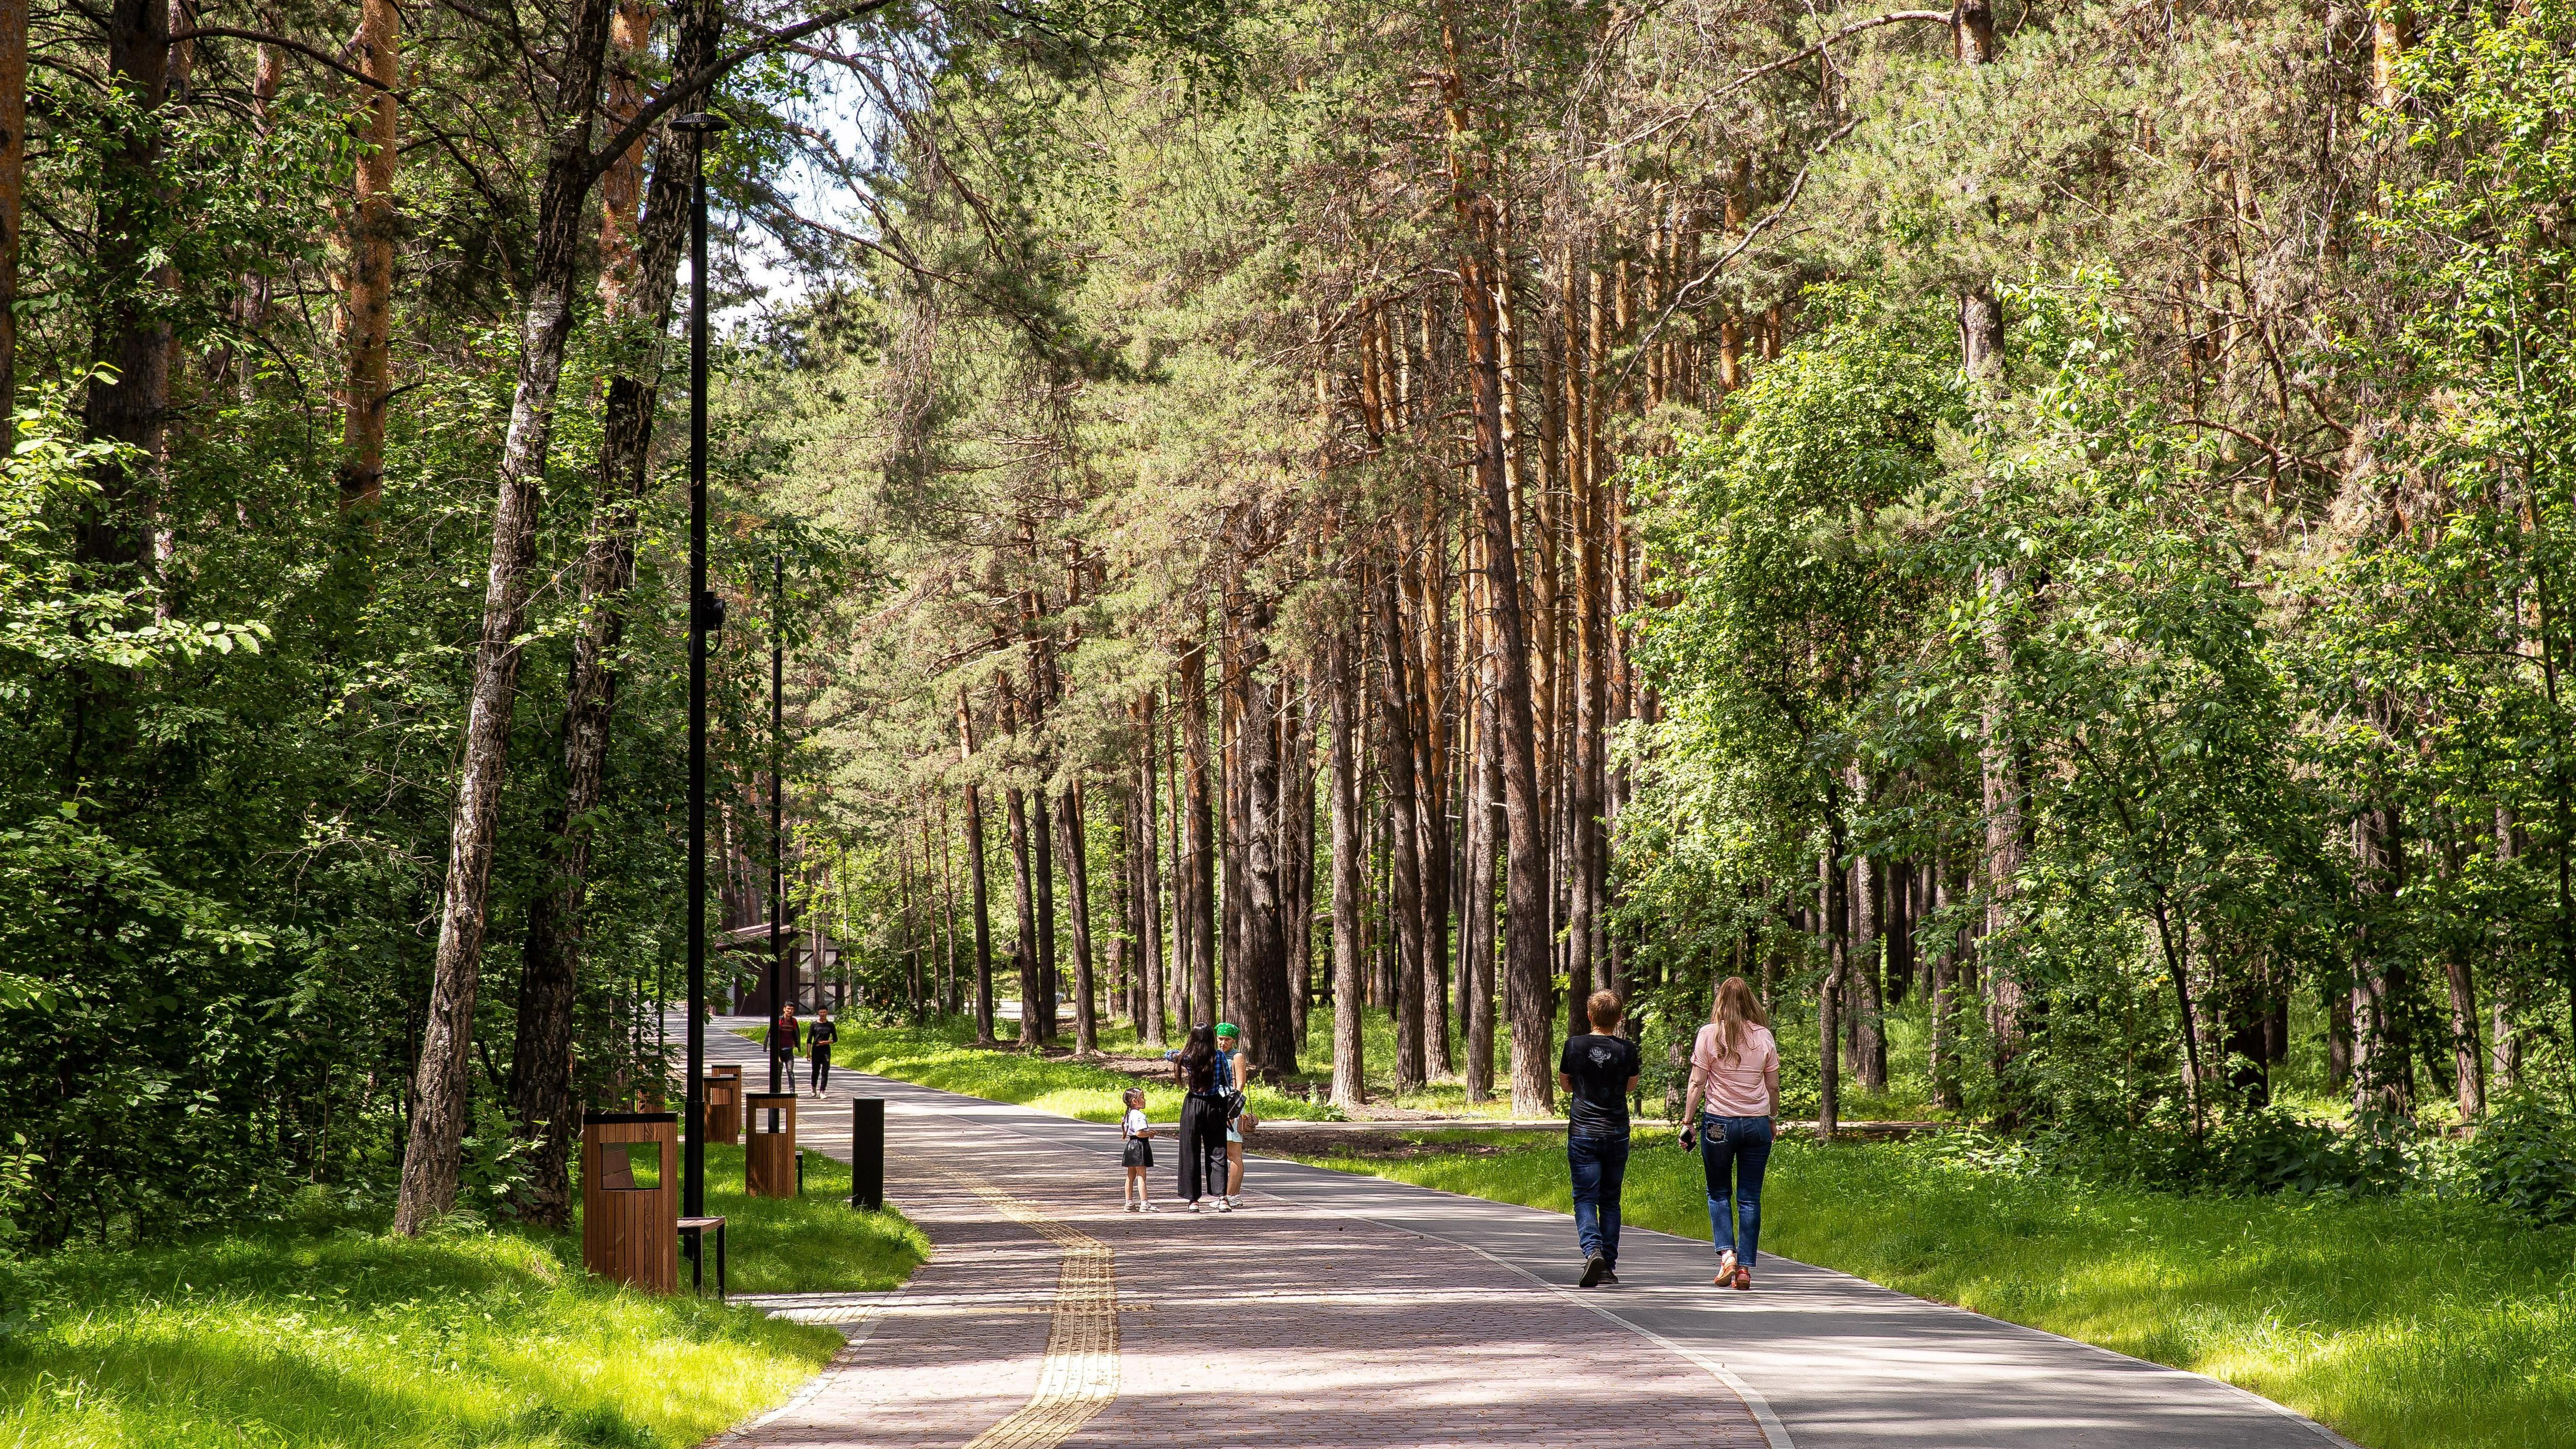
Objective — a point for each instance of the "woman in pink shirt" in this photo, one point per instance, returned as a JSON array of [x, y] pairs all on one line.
[[1735, 1069]]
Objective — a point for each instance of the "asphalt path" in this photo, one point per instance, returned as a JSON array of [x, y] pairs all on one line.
[[1824, 1360]]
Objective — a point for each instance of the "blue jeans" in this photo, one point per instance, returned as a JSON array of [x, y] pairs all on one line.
[[1600, 1165], [1732, 1153]]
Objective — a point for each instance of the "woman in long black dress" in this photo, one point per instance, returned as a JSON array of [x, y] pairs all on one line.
[[1202, 1161]]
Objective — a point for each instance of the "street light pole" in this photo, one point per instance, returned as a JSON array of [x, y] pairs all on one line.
[[777, 828], [705, 614]]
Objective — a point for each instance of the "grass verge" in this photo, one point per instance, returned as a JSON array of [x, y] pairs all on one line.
[[943, 1055], [945, 1049], [2405, 1323], [334, 1333]]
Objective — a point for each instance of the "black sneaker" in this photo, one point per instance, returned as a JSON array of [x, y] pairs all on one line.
[[1593, 1268], [1609, 1275]]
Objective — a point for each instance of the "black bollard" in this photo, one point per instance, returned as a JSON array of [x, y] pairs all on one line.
[[867, 1153]]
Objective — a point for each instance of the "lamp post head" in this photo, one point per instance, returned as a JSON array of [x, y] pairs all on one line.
[[700, 123]]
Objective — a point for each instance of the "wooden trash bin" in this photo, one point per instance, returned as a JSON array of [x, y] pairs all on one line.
[[769, 1152], [630, 1198], [724, 1104]]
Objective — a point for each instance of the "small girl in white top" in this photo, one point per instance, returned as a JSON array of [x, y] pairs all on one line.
[[1139, 1152]]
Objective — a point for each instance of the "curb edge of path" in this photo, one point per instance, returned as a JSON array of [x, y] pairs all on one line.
[[1774, 1433], [843, 1359], [1772, 1427]]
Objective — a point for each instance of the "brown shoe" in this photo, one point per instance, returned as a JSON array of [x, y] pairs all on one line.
[[1743, 1278]]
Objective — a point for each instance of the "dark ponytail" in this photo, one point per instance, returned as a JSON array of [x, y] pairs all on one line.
[[1198, 1058]]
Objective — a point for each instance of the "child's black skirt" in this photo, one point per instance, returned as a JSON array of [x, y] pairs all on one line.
[[1140, 1153]]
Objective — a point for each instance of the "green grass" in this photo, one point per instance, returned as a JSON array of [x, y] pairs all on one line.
[[944, 1056], [343, 1336], [941, 1055], [809, 1244], [2406, 1323]]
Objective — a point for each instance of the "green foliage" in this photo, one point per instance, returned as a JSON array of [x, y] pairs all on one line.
[[1789, 532], [224, 801], [2524, 1158], [2254, 1151]]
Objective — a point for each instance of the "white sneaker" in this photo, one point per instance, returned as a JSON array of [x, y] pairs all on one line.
[[1225, 1204], [1144, 1207], [1234, 1202]]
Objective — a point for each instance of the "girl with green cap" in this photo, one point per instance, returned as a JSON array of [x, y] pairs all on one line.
[[1233, 1074]]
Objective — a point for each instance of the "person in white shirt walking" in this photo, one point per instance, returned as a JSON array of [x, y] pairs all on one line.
[[1735, 1070], [1139, 1152]]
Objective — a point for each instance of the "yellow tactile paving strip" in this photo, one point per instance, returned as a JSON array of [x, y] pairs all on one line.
[[1080, 1375]]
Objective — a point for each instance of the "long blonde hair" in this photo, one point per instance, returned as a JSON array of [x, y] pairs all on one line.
[[1735, 1008]]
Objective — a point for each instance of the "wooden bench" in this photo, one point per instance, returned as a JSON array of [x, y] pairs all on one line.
[[696, 1228]]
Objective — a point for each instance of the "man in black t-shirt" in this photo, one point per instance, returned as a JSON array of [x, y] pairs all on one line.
[[1598, 1071], [818, 1042]]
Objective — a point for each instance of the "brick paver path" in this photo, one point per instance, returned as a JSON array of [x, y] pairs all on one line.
[[1345, 1310], [1050, 1316]]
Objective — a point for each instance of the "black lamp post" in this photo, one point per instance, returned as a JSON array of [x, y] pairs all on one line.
[[777, 827], [706, 614]]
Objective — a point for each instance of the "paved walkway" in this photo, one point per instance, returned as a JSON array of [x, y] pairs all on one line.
[[1339, 1310]]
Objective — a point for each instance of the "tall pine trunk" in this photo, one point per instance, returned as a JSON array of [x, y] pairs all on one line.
[[1431, 811], [368, 298], [975, 886], [13, 187], [1199, 864], [1177, 892], [1529, 988], [1868, 972], [1077, 891], [1476, 911], [1024, 946], [947, 918], [1350, 941], [1297, 857], [1584, 764], [1269, 1035], [130, 333], [1151, 1026], [1042, 877], [1395, 768]]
